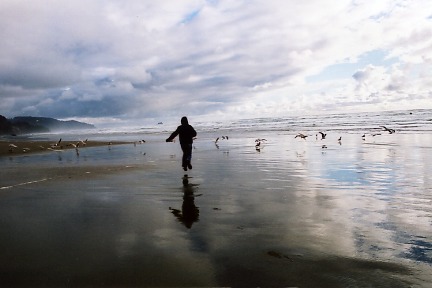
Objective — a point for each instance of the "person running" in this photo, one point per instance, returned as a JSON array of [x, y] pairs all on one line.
[[186, 134]]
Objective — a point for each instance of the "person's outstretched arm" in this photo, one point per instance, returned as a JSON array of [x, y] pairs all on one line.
[[173, 135]]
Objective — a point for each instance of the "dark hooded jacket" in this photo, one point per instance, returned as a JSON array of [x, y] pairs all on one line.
[[185, 131]]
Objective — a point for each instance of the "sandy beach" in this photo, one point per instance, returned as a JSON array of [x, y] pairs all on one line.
[[294, 213], [19, 147]]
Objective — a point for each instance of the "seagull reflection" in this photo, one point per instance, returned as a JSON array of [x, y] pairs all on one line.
[[189, 212]]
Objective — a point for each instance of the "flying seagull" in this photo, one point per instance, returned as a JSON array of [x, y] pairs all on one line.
[[55, 145], [12, 147], [258, 143], [301, 136], [391, 131], [323, 135]]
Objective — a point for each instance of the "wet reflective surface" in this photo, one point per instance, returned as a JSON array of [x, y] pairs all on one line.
[[356, 213]]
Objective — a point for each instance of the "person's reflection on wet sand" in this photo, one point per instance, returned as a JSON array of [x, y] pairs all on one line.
[[189, 212]]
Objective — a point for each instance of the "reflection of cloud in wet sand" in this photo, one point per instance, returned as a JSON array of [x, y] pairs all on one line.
[[288, 217]]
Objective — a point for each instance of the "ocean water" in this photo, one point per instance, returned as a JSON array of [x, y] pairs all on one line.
[[403, 121], [407, 121], [291, 212]]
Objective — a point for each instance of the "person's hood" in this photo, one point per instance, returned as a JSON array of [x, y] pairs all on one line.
[[184, 121]]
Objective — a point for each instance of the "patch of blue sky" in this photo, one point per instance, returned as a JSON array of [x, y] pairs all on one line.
[[190, 17], [346, 176], [212, 2], [379, 16], [346, 70]]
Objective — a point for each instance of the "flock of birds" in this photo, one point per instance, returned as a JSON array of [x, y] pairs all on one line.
[[222, 138], [323, 135], [58, 146], [259, 142]]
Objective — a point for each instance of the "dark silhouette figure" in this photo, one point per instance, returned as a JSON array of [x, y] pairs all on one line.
[[189, 212], [186, 134]]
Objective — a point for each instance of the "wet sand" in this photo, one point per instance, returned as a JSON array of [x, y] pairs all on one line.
[[355, 214], [19, 147]]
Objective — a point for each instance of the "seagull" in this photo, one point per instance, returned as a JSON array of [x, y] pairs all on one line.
[[323, 135], [258, 145], [56, 145], [83, 142], [12, 147], [340, 139], [260, 140], [55, 150], [391, 131], [301, 136]]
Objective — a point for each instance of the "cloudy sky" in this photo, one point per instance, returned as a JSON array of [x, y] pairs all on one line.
[[118, 61]]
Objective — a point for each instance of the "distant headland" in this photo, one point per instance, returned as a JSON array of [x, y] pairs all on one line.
[[28, 124]]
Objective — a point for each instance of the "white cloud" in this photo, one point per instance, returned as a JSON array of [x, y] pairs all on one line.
[[237, 58]]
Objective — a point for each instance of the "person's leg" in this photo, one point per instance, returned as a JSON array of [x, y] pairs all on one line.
[[184, 161], [187, 156]]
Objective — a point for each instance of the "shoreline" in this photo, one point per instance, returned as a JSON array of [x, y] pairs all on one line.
[[21, 147]]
